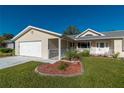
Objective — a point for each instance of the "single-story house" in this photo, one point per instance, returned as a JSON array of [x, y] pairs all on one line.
[[9, 44], [37, 42]]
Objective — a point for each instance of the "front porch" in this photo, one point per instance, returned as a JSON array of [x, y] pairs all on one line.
[[97, 47], [57, 47]]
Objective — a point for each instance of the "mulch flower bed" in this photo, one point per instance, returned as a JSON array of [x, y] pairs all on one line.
[[72, 69]]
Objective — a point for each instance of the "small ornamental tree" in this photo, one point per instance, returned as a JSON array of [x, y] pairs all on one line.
[[72, 55], [71, 30]]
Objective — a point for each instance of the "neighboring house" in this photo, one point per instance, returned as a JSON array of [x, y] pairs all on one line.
[[37, 42], [9, 44]]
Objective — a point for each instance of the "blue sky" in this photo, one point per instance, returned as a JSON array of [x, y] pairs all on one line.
[[13, 19]]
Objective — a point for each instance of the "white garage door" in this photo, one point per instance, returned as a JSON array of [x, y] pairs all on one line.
[[30, 49]]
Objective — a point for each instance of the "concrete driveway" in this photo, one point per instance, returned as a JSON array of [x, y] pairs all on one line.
[[16, 60]]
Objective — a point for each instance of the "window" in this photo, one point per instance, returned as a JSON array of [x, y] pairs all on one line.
[[101, 45], [71, 45], [79, 45], [84, 45], [88, 44]]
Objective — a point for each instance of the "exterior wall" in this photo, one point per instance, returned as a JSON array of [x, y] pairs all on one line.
[[111, 45], [89, 32], [118, 47], [34, 35]]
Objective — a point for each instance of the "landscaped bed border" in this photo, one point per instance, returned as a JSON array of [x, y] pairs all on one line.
[[62, 75]]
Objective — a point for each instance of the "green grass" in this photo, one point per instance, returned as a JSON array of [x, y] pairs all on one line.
[[99, 72]]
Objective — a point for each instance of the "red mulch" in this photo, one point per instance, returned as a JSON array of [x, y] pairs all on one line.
[[53, 69]]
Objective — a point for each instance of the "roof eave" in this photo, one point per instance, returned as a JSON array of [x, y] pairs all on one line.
[[32, 27], [89, 30], [100, 38]]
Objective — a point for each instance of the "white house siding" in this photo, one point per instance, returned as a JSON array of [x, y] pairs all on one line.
[[34, 35], [118, 47], [89, 32]]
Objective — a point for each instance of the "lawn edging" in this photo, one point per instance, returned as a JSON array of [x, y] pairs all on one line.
[[61, 75]]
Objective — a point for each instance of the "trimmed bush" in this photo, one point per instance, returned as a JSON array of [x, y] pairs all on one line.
[[85, 53], [5, 54], [72, 55], [13, 52], [115, 55], [6, 50]]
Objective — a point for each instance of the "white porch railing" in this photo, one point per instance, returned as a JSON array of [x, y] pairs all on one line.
[[53, 53], [106, 51], [98, 51]]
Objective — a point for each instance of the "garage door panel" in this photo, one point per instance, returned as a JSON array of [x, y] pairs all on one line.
[[30, 49]]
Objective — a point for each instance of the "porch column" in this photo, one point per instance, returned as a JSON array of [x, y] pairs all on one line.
[[77, 45], [59, 48], [90, 44], [67, 45]]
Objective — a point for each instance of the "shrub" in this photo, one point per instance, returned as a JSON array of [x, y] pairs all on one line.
[[63, 66], [115, 55], [85, 53], [71, 55], [5, 54], [6, 50], [13, 52]]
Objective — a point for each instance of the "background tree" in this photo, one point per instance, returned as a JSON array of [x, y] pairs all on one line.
[[71, 30], [4, 37]]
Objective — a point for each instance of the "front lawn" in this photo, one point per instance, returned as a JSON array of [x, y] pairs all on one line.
[[99, 72]]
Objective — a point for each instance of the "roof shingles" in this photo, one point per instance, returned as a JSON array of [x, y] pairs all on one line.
[[108, 35]]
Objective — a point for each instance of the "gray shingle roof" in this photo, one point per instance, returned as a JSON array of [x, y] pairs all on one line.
[[71, 36], [114, 33], [108, 35]]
